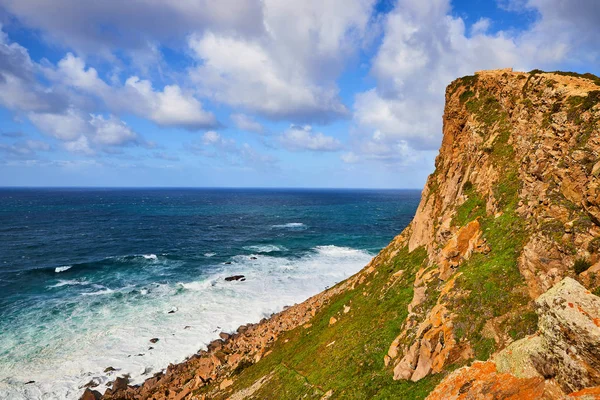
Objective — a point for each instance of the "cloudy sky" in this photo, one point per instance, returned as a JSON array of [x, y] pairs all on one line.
[[312, 93]]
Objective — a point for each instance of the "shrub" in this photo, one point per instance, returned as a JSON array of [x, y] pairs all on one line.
[[581, 265]]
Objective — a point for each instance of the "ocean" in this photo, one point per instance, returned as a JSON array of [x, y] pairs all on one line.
[[89, 276]]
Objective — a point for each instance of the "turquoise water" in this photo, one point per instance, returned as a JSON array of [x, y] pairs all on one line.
[[88, 276]]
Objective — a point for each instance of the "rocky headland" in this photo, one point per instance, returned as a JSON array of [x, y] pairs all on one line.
[[489, 293]]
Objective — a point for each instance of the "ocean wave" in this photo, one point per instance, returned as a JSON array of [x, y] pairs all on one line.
[[67, 282], [63, 268], [265, 248], [291, 225], [202, 309], [150, 256], [210, 254]]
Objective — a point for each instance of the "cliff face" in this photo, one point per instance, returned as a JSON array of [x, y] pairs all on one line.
[[512, 209]]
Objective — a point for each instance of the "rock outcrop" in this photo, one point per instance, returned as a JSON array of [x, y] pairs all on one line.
[[563, 358], [493, 278]]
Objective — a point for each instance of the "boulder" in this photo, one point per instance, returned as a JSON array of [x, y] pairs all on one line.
[[91, 395], [234, 278], [569, 324]]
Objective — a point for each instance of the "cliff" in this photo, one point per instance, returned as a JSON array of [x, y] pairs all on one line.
[[488, 293]]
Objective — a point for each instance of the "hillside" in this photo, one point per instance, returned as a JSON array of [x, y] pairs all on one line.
[[503, 253]]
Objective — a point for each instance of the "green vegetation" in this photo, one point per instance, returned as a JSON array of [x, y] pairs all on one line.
[[594, 245], [466, 95], [596, 291], [492, 282], [581, 265], [346, 357]]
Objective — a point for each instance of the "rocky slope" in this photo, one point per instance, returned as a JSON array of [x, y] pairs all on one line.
[[494, 279]]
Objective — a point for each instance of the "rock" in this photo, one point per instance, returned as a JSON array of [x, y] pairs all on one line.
[[119, 384], [254, 258], [154, 340], [569, 324], [482, 381], [91, 395], [109, 369], [234, 278], [91, 384], [225, 384], [224, 336], [332, 320], [29, 382], [563, 357]]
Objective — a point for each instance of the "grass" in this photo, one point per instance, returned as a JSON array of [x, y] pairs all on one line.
[[306, 367], [581, 265]]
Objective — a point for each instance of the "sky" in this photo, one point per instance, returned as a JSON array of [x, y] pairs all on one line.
[[256, 93]]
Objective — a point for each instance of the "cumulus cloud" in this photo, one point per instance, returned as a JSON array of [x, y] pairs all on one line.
[[247, 123], [299, 138], [85, 134], [169, 107], [19, 88]]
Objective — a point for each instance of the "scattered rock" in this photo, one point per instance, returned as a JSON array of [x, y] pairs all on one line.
[[227, 262], [224, 336], [29, 383], [109, 369], [225, 384], [119, 384], [332, 320], [187, 327], [91, 384], [150, 348], [154, 340], [234, 278], [254, 258], [91, 395]]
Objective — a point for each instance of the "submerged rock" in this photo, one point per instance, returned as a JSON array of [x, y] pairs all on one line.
[[235, 278], [154, 340]]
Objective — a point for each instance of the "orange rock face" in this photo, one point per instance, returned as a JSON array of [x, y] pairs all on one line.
[[483, 381]]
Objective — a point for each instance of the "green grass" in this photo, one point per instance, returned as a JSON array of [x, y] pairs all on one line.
[[581, 265], [306, 367]]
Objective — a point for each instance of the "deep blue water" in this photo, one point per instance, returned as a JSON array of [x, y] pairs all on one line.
[[82, 268]]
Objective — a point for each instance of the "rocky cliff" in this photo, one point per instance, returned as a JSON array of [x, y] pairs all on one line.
[[490, 292]]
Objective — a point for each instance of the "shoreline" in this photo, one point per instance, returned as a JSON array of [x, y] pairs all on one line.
[[208, 370]]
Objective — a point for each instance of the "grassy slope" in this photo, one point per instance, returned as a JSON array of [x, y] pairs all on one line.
[[305, 366]]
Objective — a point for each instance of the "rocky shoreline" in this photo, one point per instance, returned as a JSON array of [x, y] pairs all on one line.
[[223, 357]]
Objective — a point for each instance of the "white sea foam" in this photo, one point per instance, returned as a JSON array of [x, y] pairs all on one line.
[[265, 248], [70, 352], [290, 225], [150, 256], [210, 254], [69, 282], [62, 269]]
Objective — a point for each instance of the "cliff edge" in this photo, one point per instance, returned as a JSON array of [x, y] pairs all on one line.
[[496, 278]]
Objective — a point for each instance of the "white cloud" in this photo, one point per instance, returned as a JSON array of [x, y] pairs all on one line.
[[227, 150], [243, 74], [19, 89], [85, 134], [101, 27], [247, 123], [169, 107], [298, 138]]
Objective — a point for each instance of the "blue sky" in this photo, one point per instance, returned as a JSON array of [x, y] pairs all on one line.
[[271, 93]]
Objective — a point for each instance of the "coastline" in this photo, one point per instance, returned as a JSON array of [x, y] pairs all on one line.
[[230, 353]]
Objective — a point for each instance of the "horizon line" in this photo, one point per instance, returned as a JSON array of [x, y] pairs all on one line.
[[204, 187]]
